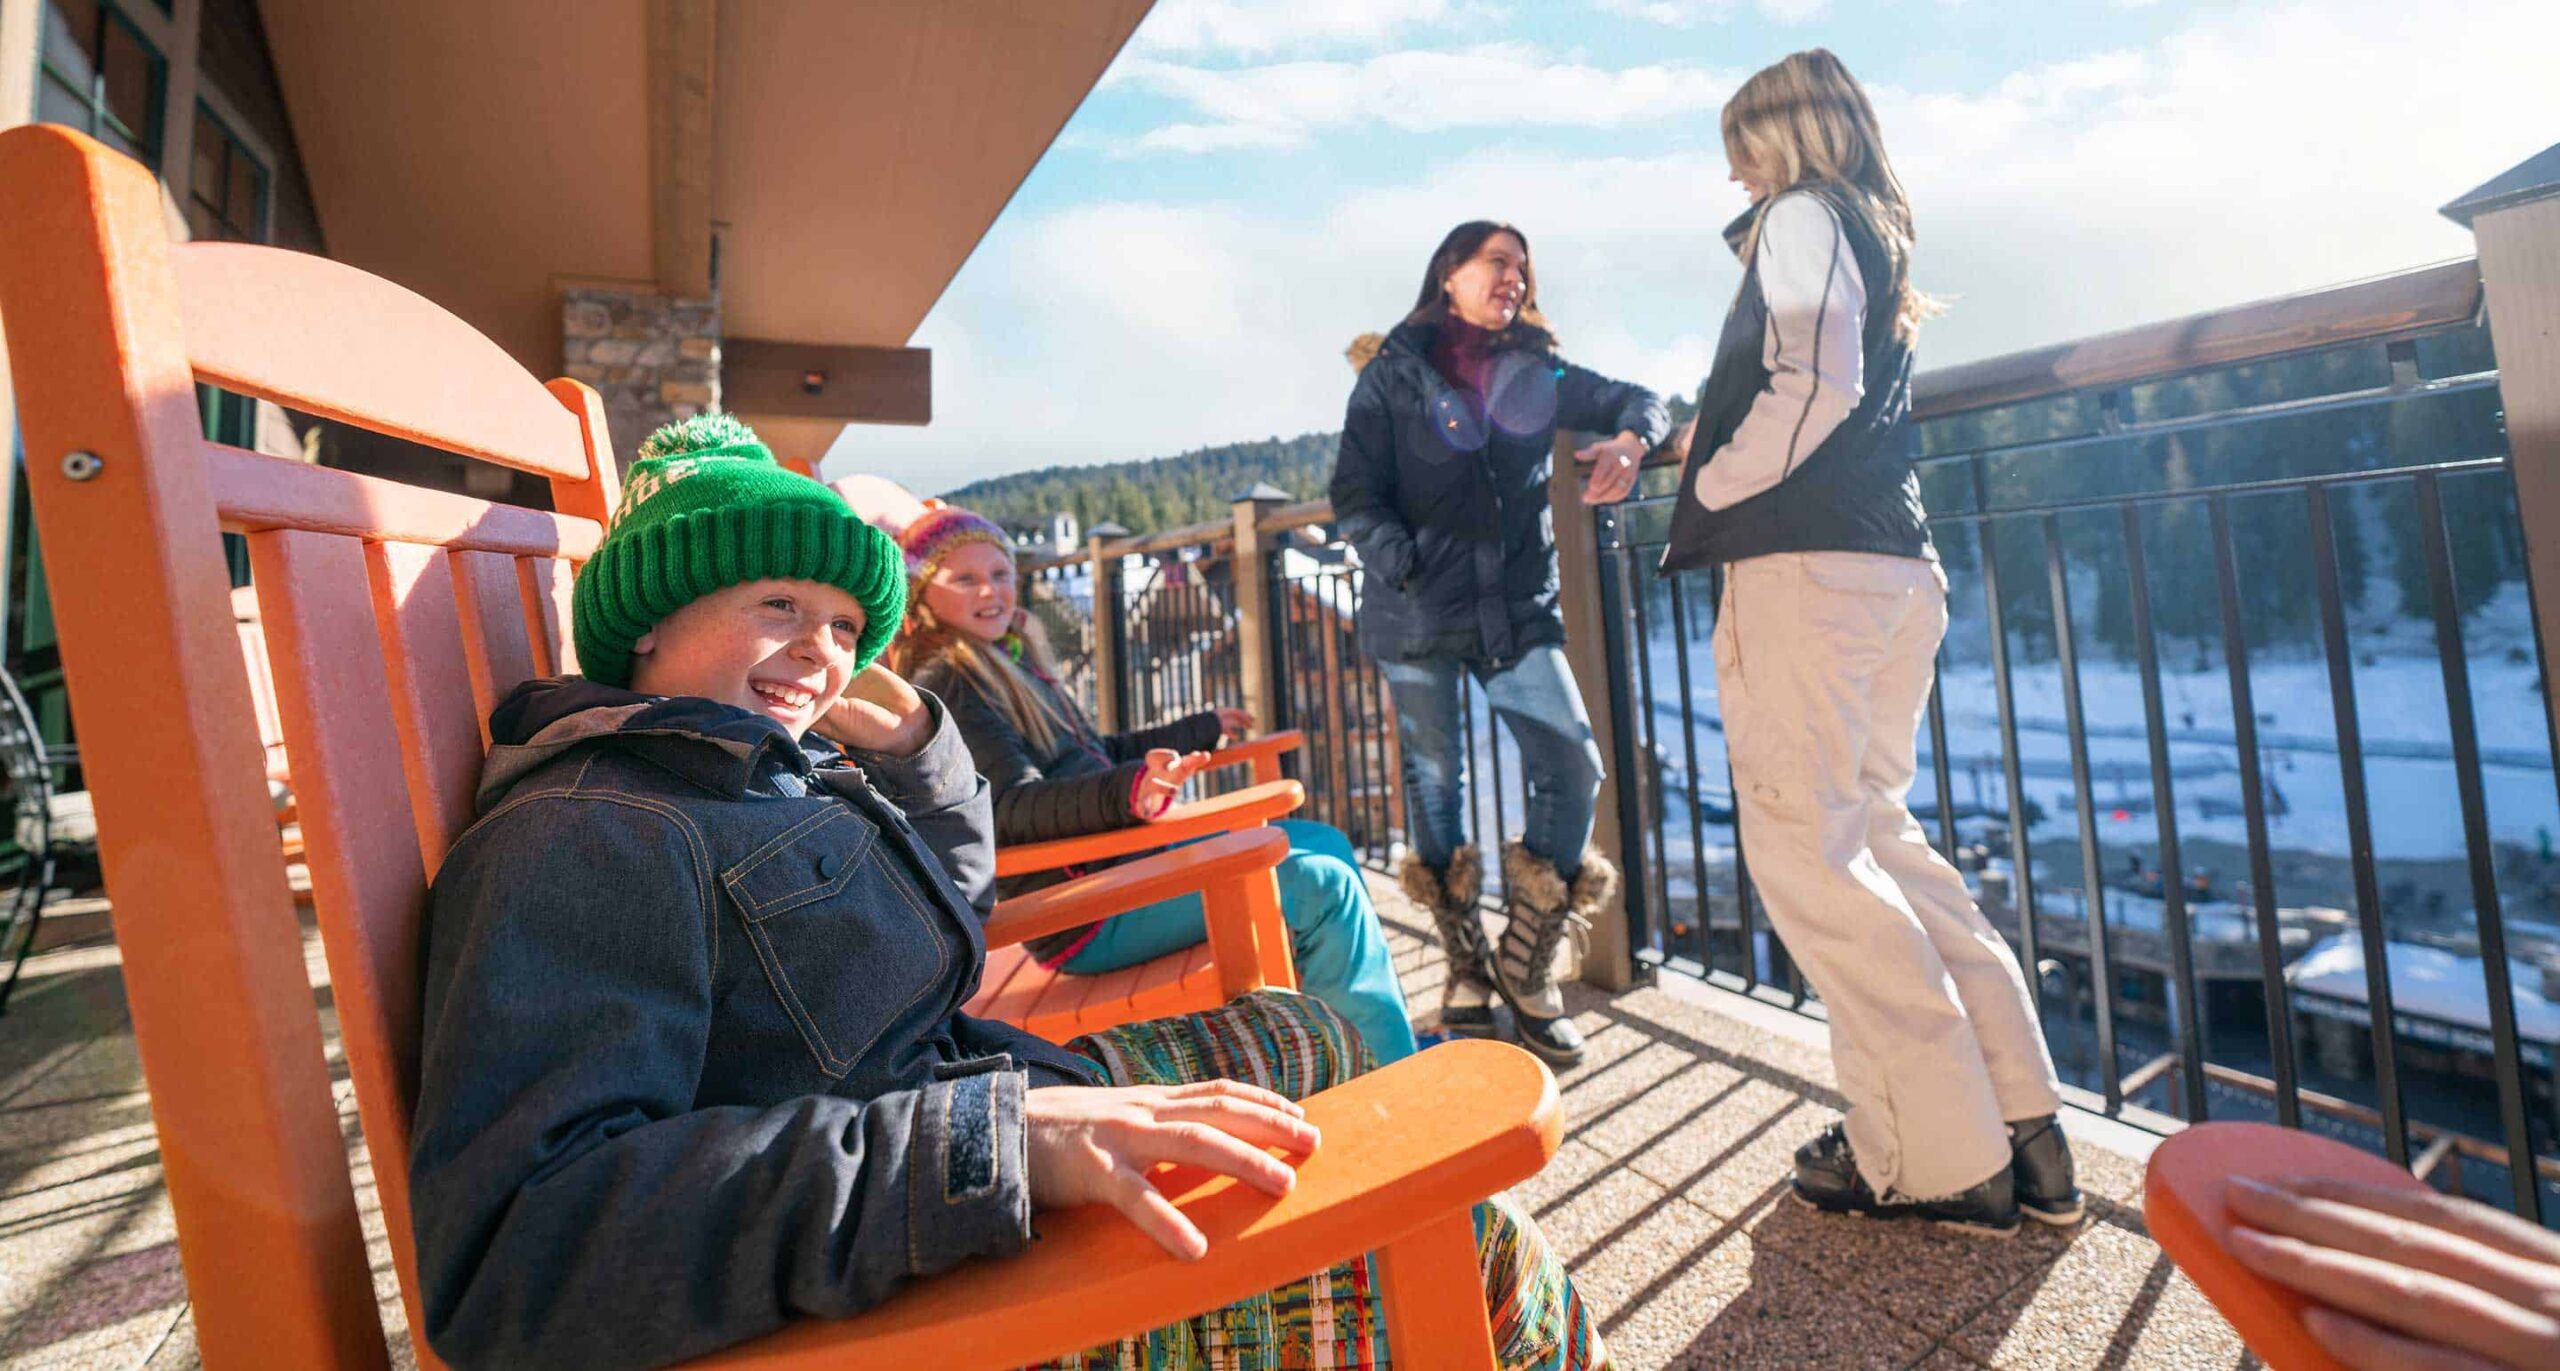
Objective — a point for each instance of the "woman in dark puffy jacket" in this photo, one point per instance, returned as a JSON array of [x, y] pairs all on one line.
[[1055, 776], [1441, 483]]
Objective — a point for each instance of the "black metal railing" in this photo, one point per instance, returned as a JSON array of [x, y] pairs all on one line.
[[2355, 536], [2239, 735]]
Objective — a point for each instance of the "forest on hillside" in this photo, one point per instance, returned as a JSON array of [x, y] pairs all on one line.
[[1157, 493]]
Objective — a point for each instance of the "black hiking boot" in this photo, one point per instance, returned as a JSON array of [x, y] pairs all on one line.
[[1827, 1178], [2040, 1160]]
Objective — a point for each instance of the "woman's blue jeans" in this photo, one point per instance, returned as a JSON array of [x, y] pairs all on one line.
[[1334, 936], [1559, 760]]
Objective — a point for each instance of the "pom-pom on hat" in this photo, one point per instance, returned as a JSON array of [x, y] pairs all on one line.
[[942, 529], [706, 507]]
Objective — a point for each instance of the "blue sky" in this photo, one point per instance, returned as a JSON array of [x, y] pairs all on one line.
[[1254, 183]]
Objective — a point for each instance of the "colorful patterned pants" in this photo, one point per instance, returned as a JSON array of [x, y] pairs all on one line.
[[1296, 1046]]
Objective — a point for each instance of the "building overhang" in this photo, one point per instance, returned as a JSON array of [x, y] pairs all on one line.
[[849, 156]]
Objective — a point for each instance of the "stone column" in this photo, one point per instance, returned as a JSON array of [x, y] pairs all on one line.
[[654, 358]]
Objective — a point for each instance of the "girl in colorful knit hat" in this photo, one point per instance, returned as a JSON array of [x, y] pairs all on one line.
[[691, 1059], [1056, 776]]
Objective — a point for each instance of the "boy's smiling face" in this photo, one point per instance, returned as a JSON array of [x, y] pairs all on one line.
[[782, 649]]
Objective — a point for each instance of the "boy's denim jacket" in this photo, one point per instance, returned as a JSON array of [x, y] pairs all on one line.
[[692, 1057]]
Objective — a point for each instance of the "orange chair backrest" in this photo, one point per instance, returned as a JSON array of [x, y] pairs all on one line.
[[393, 618]]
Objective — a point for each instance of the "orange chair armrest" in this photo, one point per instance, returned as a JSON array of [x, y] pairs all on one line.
[[1403, 1146], [1254, 804], [1263, 754], [1090, 899], [2182, 1203]]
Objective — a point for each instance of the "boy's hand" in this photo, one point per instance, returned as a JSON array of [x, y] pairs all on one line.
[[1095, 1145], [879, 712], [1233, 724], [1161, 779]]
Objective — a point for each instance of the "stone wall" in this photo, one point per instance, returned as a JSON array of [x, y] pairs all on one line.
[[654, 358]]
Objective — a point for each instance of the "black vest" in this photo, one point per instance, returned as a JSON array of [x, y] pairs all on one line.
[[1856, 492]]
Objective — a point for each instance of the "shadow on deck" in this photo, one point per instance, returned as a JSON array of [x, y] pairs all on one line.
[[1667, 1201]]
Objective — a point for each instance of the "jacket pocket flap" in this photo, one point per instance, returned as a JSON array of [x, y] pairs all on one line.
[[808, 862]]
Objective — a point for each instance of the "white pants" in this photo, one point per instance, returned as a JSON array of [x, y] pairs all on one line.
[[1823, 663]]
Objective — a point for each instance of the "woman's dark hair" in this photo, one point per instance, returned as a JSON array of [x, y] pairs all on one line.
[[1529, 328]]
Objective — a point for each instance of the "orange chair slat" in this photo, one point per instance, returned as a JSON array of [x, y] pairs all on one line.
[[546, 588], [495, 647], [1012, 1002], [533, 599], [592, 496], [337, 342], [1258, 804], [1166, 984], [1000, 966], [421, 628], [2182, 1201], [1106, 999], [1101, 894], [246, 620], [1404, 1147], [1055, 1014], [213, 967], [1262, 754], [1427, 1309], [361, 842], [252, 492]]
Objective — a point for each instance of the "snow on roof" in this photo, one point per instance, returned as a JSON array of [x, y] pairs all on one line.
[[2426, 982]]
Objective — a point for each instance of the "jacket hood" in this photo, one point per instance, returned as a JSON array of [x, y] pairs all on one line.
[[721, 748]]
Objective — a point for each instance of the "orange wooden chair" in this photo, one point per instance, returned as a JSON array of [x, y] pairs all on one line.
[[2182, 1201], [1057, 1005], [394, 618]]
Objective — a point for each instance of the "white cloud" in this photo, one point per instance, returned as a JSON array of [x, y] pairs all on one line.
[[1251, 27], [1490, 86], [2253, 154], [1685, 14]]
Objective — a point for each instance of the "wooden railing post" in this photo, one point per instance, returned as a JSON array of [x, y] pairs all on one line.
[[1106, 636], [2516, 220], [1610, 963], [1257, 633]]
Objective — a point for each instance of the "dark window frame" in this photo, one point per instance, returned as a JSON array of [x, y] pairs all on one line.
[[235, 149], [93, 96]]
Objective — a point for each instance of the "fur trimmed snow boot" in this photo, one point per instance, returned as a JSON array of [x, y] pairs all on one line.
[[1466, 998], [1544, 909]]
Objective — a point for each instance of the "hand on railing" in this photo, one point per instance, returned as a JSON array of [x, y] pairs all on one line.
[[1615, 464], [1161, 780]]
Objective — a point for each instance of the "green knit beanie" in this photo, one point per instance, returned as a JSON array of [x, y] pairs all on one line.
[[705, 507]]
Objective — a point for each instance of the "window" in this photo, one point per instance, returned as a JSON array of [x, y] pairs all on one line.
[[102, 77], [227, 190]]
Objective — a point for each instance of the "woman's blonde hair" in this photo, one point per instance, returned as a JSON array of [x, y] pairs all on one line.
[[1806, 121], [991, 669]]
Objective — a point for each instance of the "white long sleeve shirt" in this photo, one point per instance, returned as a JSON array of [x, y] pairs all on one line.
[[1813, 346]]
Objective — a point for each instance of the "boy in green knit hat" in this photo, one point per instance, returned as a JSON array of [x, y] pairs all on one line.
[[692, 1056]]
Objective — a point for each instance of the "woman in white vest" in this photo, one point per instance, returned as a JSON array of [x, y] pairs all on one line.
[[1799, 483]]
